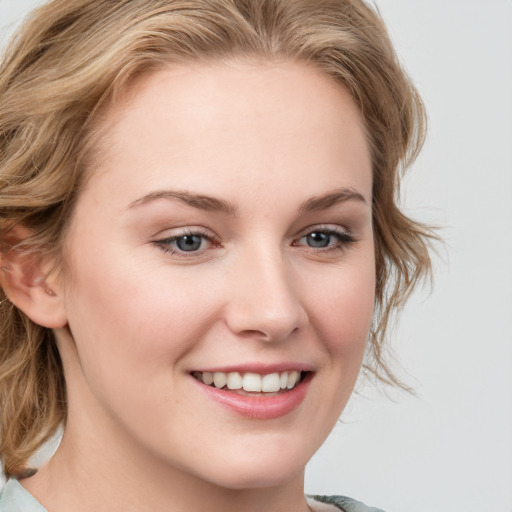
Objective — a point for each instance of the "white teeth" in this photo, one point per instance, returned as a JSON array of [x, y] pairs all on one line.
[[251, 382], [293, 376], [284, 380], [219, 379], [208, 378], [234, 380], [271, 383]]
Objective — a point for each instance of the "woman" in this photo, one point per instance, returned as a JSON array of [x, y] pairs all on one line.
[[200, 246]]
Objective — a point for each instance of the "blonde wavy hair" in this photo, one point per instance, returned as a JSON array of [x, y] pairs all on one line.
[[71, 57]]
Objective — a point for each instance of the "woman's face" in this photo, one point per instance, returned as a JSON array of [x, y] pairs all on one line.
[[226, 235]]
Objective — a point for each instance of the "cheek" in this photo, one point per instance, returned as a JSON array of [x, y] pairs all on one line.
[[126, 320], [341, 315], [343, 309], [130, 332]]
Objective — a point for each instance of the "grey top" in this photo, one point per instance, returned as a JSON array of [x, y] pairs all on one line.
[[14, 498]]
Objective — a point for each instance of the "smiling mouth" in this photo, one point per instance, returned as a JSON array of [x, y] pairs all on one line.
[[251, 384]]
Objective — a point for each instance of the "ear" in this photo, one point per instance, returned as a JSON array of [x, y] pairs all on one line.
[[26, 281]]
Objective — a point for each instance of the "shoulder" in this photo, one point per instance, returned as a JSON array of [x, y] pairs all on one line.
[[343, 503], [14, 498]]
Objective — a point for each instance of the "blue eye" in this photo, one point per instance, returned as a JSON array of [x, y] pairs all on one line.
[[318, 239], [185, 243], [189, 243], [326, 238]]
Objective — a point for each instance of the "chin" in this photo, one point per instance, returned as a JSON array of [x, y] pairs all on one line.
[[255, 472], [256, 479]]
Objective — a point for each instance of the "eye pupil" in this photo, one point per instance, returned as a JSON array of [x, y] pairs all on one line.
[[318, 239], [189, 242]]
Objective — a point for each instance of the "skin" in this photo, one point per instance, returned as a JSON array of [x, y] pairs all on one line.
[[135, 315]]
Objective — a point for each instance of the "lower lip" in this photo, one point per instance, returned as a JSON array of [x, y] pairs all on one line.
[[259, 407]]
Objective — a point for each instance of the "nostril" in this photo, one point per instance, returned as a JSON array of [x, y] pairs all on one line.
[[270, 336], [253, 333]]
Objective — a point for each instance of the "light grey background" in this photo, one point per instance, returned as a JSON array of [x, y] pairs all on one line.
[[450, 449]]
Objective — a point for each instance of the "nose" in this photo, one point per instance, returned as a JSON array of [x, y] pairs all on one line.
[[264, 301]]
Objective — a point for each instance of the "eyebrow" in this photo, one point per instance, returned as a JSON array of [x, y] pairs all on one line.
[[213, 204], [325, 201], [207, 203]]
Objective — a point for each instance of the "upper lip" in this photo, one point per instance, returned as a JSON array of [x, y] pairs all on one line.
[[262, 369]]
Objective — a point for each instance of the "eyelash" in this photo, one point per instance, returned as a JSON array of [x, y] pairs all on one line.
[[166, 243], [343, 240]]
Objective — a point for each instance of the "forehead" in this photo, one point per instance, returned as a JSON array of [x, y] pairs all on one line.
[[242, 82], [219, 118]]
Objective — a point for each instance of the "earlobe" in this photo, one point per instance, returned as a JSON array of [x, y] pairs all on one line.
[[25, 281]]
